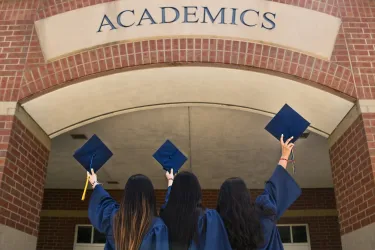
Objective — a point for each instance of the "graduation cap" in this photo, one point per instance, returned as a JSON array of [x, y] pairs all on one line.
[[289, 123], [92, 155], [170, 157]]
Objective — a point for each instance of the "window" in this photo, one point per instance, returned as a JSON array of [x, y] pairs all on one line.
[[285, 234], [87, 234], [294, 234]]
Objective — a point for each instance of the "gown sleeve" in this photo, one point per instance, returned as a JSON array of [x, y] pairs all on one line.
[[102, 208], [166, 198], [156, 238], [280, 192], [213, 233]]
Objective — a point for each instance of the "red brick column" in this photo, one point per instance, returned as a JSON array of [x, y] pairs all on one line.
[[23, 165], [353, 169]]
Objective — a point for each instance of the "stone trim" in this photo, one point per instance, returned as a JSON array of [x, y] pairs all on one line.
[[12, 108], [344, 125], [361, 107], [363, 239], [13, 239]]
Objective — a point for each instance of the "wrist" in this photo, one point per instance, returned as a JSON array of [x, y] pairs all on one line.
[[285, 157], [170, 182], [94, 184]]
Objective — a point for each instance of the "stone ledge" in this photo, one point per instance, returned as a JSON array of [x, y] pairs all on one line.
[[361, 107], [12, 108]]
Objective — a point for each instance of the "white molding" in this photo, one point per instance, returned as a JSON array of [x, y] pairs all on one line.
[[33, 127], [361, 107], [360, 239], [344, 125], [13, 239], [366, 106], [12, 108], [8, 108]]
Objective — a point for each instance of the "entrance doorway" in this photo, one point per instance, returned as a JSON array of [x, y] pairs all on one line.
[[219, 143]]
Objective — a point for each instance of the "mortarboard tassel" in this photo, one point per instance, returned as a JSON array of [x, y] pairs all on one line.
[[84, 191], [293, 162], [87, 180]]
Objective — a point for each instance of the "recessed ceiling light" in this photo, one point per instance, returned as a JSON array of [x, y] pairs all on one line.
[[112, 182], [78, 136], [305, 135]]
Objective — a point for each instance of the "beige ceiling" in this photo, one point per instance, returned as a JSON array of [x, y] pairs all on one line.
[[72, 106], [219, 143]]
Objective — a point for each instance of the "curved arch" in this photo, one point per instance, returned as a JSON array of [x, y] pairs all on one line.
[[109, 59], [172, 105], [97, 98]]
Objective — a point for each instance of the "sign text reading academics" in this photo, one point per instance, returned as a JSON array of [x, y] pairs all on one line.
[[190, 14]]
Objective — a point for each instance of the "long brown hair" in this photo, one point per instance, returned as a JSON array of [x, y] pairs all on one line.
[[240, 216], [135, 215]]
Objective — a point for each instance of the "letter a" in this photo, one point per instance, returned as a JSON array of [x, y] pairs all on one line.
[[105, 18]]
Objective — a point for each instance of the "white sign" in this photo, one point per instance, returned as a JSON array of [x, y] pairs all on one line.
[[287, 26]]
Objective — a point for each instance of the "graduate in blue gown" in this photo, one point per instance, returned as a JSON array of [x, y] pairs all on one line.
[[253, 226], [132, 224], [190, 225], [280, 192], [240, 216]]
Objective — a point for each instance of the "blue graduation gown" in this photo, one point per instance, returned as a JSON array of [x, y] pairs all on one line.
[[280, 192], [103, 207], [215, 236]]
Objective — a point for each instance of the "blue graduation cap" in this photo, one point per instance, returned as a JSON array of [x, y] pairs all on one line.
[[289, 123], [170, 157], [92, 155]]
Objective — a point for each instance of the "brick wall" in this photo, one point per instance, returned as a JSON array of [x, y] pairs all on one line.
[[353, 168], [19, 46], [23, 165], [26, 74], [57, 199], [58, 233], [355, 46], [324, 231]]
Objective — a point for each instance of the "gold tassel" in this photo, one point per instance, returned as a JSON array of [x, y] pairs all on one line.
[[84, 191]]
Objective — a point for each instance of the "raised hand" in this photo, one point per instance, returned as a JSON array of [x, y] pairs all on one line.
[[170, 177], [286, 149], [93, 179]]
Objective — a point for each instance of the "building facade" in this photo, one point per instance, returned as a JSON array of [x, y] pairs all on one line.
[[208, 76]]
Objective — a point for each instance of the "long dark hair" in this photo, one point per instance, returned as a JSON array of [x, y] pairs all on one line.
[[240, 216], [137, 209], [183, 210]]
